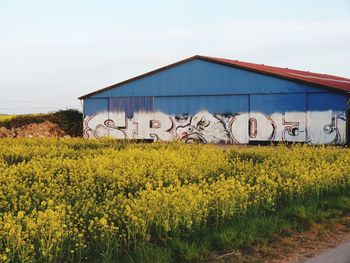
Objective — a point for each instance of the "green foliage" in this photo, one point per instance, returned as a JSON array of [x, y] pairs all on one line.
[[148, 254], [187, 251], [70, 120]]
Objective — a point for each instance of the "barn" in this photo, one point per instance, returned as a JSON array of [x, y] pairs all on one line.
[[215, 100]]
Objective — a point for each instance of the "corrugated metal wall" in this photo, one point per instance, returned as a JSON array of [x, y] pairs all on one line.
[[200, 77], [192, 104], [205, 101]]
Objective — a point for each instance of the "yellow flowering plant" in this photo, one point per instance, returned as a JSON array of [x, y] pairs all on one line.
[[88, 200]]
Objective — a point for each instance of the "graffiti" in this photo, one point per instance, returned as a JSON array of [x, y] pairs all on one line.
[[291, 128], [253, 131], [326, 127], [203, 127]]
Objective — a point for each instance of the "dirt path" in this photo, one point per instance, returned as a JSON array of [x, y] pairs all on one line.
[[339, 254], [311, 244], [299, 247]]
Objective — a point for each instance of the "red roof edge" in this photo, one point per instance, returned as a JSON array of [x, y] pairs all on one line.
[[318, 79]]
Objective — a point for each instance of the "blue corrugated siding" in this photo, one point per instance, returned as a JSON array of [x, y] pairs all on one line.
[[326, 101], [94, 106], [281, 103], [297, 102], [194, 104], [265, 103], [199, 85], [199, 77], [131, 105]]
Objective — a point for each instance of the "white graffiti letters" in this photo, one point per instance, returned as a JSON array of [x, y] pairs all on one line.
[[325, 127]]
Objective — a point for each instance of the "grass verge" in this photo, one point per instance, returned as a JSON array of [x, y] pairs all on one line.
[[237, 237]]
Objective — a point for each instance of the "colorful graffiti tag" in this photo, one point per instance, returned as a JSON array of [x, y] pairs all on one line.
[[320, 127]]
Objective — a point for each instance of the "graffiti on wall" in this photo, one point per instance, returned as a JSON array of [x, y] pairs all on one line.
[[324, 127]]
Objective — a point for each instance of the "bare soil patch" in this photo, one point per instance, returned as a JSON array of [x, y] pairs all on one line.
[[38, 130]]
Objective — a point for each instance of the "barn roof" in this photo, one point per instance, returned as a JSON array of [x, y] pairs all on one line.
[[307, 77]]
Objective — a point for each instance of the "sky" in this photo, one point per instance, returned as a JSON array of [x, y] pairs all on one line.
[[52, 52]]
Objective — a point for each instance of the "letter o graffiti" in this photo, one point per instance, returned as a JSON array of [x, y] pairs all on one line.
[[253, 127]]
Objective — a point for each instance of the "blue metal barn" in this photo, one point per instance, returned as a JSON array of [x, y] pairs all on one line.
[[216, 100]]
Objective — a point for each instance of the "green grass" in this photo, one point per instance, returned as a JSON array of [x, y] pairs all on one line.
[[244, 232]]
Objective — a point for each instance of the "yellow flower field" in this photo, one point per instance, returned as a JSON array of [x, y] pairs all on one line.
[[84, 201], [6, 117]]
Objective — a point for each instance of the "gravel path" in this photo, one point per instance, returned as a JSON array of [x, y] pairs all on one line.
[[339, 254]]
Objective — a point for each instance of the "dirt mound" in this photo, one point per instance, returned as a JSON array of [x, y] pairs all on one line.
[[40, 130], [69, 120]]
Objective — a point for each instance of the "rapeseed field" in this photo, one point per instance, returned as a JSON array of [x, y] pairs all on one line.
[[75, 200]]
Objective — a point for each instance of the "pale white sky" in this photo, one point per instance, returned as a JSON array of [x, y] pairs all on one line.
[[52, 52]]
